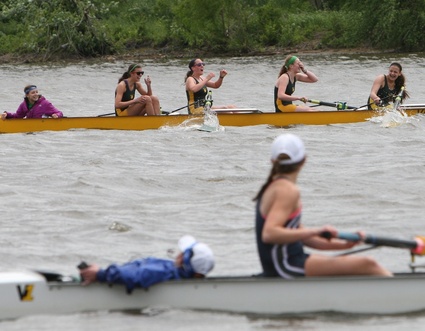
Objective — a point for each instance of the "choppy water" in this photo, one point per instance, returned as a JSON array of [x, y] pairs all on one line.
[[64, 193]]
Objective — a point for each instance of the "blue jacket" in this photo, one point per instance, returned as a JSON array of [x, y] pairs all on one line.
[[140, 273]]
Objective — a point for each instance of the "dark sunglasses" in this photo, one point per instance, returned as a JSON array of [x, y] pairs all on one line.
[[200, 64], [140, 73]]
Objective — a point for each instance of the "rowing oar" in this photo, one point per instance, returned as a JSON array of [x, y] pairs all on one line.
[[164, 112], [373, 102], [337, 105], [398, 98], [108, 114], [416, 246], [175, 110]]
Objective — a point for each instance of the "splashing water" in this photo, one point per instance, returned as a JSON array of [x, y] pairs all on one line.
[[211, 122], [391, 117]]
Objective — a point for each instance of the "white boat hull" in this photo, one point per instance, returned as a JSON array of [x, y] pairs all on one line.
[[28, 293]]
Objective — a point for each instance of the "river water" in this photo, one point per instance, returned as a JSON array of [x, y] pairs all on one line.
[[110, 196]]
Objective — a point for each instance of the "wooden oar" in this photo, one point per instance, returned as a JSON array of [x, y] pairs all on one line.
[[416, 246], [337, 105]]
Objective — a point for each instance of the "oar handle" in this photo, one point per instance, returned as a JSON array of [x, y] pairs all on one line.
[[417, 246]]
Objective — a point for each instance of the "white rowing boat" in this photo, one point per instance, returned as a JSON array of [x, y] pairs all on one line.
[[25, 293], [28, 293]]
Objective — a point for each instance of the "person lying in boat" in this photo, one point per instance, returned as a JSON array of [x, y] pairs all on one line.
[[197, 86], [34, 106], [125, 102], [280, 235], [385, 88], [293, 70], [195, 260]]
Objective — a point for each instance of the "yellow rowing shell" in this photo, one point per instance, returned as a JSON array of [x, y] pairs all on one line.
[[237, 118]]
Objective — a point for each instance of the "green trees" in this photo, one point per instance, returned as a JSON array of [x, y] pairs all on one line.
[[391, 23], [49, 27], [99, 27]]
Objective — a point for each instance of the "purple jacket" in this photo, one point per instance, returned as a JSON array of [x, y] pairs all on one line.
[[42, 107]]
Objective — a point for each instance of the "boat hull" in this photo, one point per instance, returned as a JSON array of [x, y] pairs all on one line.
[[28, 293], [239, 118]]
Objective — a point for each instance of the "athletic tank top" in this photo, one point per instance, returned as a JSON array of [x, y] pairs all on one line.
[[197, 99], [290, 88], [128, 94], [286, 261]]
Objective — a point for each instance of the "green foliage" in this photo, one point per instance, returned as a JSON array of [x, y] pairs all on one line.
[[395, 24], [59, 26], [100, 27]]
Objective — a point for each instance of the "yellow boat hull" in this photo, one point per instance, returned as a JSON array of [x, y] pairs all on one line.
[[225, 119]]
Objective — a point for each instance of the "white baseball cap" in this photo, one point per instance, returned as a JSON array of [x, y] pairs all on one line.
[[202, 260], [290, 145]]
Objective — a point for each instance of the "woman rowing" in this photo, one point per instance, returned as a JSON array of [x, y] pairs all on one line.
[[280, 235], [125, 102], [197, 86], [385, 88], [293, 70]]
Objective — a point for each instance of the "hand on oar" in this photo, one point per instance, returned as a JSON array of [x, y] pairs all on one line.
[[416, 246]]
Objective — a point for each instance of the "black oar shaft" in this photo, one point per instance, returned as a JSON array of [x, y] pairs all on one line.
[[338, 105], [379, 241]]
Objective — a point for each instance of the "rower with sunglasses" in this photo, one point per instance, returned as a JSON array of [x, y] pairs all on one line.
[[195, 260], [125, 102], [197, 86]]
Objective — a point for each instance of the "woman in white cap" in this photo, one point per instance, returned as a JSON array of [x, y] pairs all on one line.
[[194, 261], [281, 236]]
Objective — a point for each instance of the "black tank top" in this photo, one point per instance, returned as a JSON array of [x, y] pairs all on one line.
[[290, 88]]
